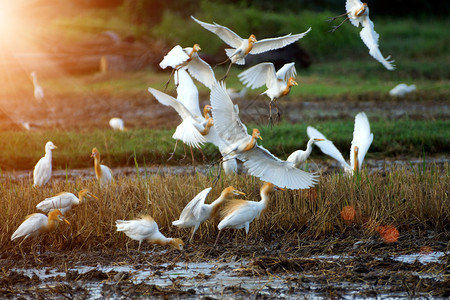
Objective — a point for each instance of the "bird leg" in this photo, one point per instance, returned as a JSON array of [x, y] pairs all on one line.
[[174, 149], [270, 114], [192, 155], [192, 235], [139, 247], [278, 111], [226, 74], [217, 238], [334, 18], [168, 81], [334, 28], [203, 154]]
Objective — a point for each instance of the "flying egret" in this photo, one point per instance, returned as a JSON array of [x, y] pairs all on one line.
[[358, 13], [64, 201], [37, 224], [259, 161], [43, 169], [278, 83], [242, 47], [38, 91], [179, 57], [117, 124], [300, 156], [196, 211], [146, 228], [402, 89], [240, 213], [362, 139], [103, 173]]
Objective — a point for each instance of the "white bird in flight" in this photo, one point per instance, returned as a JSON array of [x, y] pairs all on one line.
[[146, 228], [362, 139], [117, 124], [196, 211], [402, 89], [298, 157], [38, 91], [242, 47], [37, 224], [259, 161], [179, 57], [240, 213], [358, 13], [103, 173], [64, 201], [278, 83], [43, 169]]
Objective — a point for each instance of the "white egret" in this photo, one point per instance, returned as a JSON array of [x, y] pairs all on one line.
[[43, 169], [37, 224], [196, 211], [240, 213], [362, 139], [38, 91], [179, 57], [103, 173], [358, 13], [298, 157], [259, 161], [242, 47], [117, 124], [146, 228], [402, 89], [278, 83], [64, 201]]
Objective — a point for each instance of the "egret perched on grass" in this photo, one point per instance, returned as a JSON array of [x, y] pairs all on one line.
[[43, 169], [278, 83], [64, 201], [179, 57], [103, 173], [240, 213], [402, 89], [117, 124], [298, 157], [358, 13], [146, 228], [242, 47], [38, 91], [196, 211], [362, 139], [37, 224], [259, 161]]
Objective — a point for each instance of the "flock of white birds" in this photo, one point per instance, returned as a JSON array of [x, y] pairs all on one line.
[[219, 123]]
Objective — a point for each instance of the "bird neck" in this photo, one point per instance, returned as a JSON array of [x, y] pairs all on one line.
[[97, 166], [361, 11], [249, 47], [206, 113], [286, 90], [52, 222], [264, 199], [216, 204], [355, 159], [309, 147], [207, 127], [251, 144]]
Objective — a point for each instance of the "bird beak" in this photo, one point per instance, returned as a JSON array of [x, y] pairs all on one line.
[[93, 196], [260, 137], [294, 82], [54, 147], [319, 140], [280, 189], [64, 219], [238, 193]]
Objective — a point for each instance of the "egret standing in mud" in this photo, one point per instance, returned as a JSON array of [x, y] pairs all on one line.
[[146, 228], [43, 169], [103, 173], [300, 156], [196, 211], [64, 201]]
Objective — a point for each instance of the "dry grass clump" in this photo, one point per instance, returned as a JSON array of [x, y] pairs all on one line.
[[404, 198]]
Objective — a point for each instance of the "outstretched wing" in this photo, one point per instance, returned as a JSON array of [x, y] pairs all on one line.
[[258, 75], [264, 165], [168, 100], [187, 92], [370, 38], [288, 70], [362, 138], [202, 71], [222, 32], [276, 43], [327, 146], [189, 132], [174, 58], [194, 207]]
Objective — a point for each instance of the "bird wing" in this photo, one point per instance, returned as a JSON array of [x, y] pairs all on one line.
[[276, 43], [226, 117], [264, 165], [288, 70], [167, 100], [189, 132], [223, 33], [63, 202], [30, 226], [137, 228], [362, 137], [174, 58], [42, 171], [245, 212], [194, 207], [187, 92], [370, 38], [327, 146], [202, 71], [258, 75]]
